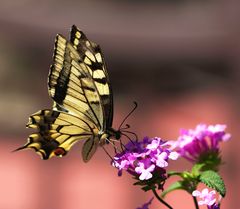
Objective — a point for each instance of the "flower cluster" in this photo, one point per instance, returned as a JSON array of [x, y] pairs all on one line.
[[207, 198], [145, 159], [204, 140]]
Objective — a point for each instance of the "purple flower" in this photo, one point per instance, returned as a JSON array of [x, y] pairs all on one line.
[[195, 143], [207, 198], [145, 206], [214, 206], [145, 159]]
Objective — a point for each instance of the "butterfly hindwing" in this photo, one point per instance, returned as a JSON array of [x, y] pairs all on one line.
[[56, 131], [89, 148]]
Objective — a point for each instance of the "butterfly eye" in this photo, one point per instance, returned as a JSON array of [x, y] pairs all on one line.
[[60, 152], [118, 135]]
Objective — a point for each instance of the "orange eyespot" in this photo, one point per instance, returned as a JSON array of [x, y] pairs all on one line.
[[60, 152]]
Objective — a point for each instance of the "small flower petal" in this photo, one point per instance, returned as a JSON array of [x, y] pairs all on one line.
[[196, 193], [207, 198], [161, 160], [145, 173], [173, 155]]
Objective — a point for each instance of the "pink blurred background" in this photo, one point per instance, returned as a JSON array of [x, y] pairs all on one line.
[[178, 59]]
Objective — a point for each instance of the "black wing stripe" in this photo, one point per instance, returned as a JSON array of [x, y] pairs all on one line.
[[61, 89], [71, 85], [101, 81]]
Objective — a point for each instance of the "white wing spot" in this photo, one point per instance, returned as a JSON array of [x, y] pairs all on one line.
[[88, 43], [99, 57], [98, 74], [76, 41], [78, 34], [104, 88], [90, 56], [89, 70], [87, 61]]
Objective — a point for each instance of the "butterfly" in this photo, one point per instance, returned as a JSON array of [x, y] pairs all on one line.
[[79, 86]]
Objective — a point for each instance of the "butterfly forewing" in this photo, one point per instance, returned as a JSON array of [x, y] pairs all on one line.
[[69, 82], [92, 56]]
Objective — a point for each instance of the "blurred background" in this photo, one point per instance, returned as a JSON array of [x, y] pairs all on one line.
[[179, 59]]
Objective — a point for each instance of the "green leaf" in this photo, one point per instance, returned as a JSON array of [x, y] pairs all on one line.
[[174, 186], [214, 181]]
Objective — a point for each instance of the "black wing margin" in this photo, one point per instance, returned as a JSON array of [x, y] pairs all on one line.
[[92, 56]]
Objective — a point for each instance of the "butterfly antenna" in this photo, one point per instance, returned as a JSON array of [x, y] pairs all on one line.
[[123, 147], [130, 132], [127, 126], [134, 108], [128, 138]]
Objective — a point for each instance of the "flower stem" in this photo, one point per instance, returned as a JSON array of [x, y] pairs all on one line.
[[195, 202], [160, 199]]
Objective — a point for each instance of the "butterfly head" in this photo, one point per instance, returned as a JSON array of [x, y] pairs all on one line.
[[118, 134], [115, 133]]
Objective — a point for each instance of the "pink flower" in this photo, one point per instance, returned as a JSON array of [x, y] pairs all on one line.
[[207, 198], [193, 144]]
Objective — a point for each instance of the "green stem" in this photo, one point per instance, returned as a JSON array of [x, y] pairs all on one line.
[[161, 200], [195, 202]]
